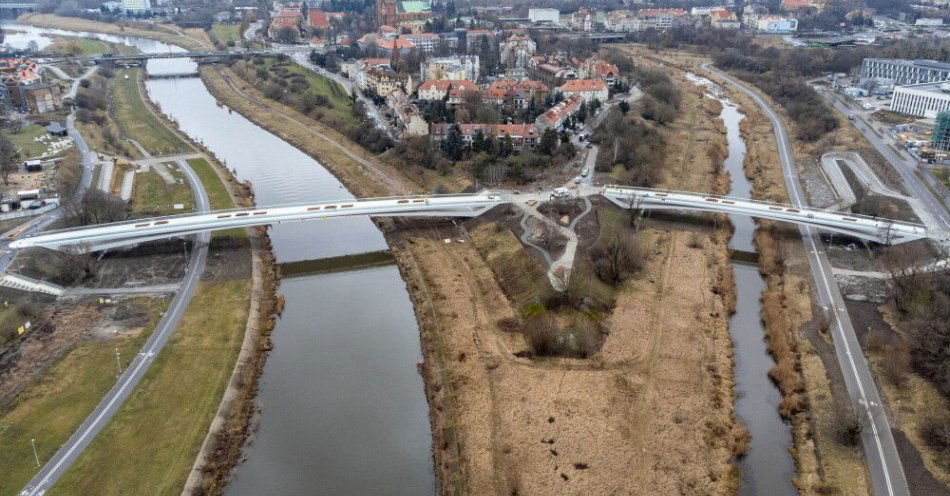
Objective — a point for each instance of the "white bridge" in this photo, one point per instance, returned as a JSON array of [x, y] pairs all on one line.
[[884, 231], [104, 236]]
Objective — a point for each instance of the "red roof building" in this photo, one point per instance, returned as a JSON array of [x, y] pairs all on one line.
[[317, 19], [521, 134]]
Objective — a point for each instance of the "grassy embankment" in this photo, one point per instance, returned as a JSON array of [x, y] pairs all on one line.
[[151, 443], [801, 372], [75, 46], [823, 463], [52, 407], [152, 196], [225, 33], [319, 139], [656, 396], [134, 119], [162, 425], [161, 33]]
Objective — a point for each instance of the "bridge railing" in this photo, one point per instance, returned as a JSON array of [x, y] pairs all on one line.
[[263, 207], [784, 206]]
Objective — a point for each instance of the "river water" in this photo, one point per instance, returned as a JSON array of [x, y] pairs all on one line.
[[343, 407], [768, 467]]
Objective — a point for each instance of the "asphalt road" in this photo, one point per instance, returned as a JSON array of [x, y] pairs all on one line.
[[904, 165], [884, 464], [109, 405]]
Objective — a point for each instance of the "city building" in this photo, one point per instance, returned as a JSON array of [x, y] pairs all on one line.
[[906, 71], [23, 89], [776, 24], [455, 67], [384, 81], [552, 16], [583, 19], [410, 120], [522, 135], [440, 89], [724, 19], [358, 70], [556, 116], [517, 51], [386, 48], [516, 94], [597, 68], [425, 42], [136, 6], [940, 139], [588, 89], [552, 70], [661, 19], [921, 100], [929, 21], [395, 12], [317, 19]]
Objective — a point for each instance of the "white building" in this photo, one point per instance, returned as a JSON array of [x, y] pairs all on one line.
[[517, 51], [136, 5], [588, 89], [776, 24], [906, 71], [456, 67], [544, 15], [922, 100], [929, 21]]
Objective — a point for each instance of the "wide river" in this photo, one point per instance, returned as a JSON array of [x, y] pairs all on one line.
[[343, 406]]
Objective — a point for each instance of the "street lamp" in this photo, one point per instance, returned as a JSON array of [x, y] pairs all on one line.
[[118, 366], [36, 456]]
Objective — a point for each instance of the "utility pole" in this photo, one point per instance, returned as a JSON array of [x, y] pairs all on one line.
[[118, 366], [33, 443]]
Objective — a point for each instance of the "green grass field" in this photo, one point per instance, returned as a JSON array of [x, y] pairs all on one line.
[[136, 121], [340, 102], [218, 195], [151, 196], [70, 45], [151, 443], [227, 32], [52, 408], [23, 140]]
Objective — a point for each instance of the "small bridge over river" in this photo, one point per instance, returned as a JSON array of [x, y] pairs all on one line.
[[104, 236]]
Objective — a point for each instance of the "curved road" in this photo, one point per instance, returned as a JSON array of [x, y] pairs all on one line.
[[97, 420], [884, 463]]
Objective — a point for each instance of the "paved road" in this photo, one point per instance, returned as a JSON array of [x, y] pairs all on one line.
[[904, 165], [303, 58], [884, 464], [97, 420]]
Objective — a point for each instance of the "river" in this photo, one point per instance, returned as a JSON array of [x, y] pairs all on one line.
[[343, 407], [768, 467]]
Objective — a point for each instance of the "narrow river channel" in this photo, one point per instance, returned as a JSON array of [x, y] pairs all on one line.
[[344, 410], [768, 467]]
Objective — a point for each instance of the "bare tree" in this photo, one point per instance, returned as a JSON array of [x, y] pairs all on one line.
[[96, 207], [616, 259]]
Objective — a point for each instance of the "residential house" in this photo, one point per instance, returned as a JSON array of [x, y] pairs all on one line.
[[425, 42], [724, 19], [440, 89], [410, 121], [385, 81], [357, 71], [386, 48], [517, 51], [522, 135], [516, 94], [552, 70], [662, 19], [597, 68], [556, 116], [588, 89], [317, 19]]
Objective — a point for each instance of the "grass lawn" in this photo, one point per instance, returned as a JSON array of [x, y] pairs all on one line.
[[23, 140], [136, 121], [217, 193], [227, 32], [340, 102], [151, 443], [51, 408], [151, 196], [68, 45]]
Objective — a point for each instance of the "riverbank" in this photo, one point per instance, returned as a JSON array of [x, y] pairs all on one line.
[[165, 34], [813, 396]]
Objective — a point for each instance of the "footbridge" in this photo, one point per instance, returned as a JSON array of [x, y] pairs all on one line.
[[142, 57], [104, 236], [877, 229]]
